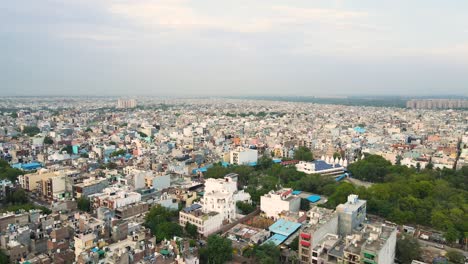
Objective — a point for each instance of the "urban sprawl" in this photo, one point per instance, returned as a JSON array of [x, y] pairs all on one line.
[[158, 180]]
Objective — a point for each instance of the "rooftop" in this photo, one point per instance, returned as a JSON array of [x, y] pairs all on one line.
[[285, 228]]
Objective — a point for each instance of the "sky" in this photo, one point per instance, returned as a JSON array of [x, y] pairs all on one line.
[[242, 47]]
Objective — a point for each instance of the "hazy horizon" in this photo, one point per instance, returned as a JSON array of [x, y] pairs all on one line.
[[242, 48]]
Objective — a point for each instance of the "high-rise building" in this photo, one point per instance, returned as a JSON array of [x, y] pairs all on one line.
[[130, 103]]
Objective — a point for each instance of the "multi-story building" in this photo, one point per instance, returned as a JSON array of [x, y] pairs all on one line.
[[243, 156], [351, 214], [221, 195], [207, 223], [321, 222], [122, 103], [113, 198], [275, 202], [90, 186]]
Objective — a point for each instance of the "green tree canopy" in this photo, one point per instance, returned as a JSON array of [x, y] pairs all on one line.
[[84, 204], [303, 153], [455, 257], [218, 250], [31, 130], [191, 230], [245, 208], [372, 168], [407, 250], [163, 223], [267, 253]]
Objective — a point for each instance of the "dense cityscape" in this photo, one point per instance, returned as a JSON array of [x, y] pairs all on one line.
[[223, 180]]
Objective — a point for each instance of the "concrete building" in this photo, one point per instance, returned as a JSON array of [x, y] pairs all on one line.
[[321, 167], [113, 198], [351, 214], [275, 202], [243, 156], [321, 222], [90, 186], [221, 195], [207, 223]]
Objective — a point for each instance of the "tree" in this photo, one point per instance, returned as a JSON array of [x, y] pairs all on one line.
[[295, 244], [68, 149], [7, 172], [48, 140], [305, 204], [336, 155], [4, 259], [267, 253], [372, 168], [303, 153], [264, 162], [455, 256], [84, 204], [31, 130], [162, 223], [218, 250], [407, 250], [18, 196], [245, 208], [191, 230]]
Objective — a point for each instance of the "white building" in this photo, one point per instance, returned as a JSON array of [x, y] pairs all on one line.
[[242, 156], [221, 195], [275, 202], [322, 167], [113, 198], [207, 223]]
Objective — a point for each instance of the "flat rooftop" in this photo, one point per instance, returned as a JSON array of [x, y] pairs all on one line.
[[285, 228]]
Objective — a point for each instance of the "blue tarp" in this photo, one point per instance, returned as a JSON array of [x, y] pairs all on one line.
[[313, 198], [296, 192], [277, 239], [339, 178], [283, 227], [276, 160], [27, 166]]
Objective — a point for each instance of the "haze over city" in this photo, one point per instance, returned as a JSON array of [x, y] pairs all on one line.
[[191, 48]]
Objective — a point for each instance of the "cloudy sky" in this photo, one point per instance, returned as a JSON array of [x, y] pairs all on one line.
[[242, 47]]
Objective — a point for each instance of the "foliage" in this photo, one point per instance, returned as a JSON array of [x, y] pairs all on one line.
[[88, 130], [267, 253], [245, 208], [143, 135], [4, 259], [295, 244], [303, 153], [31, 130], [372, 168], [191, 230], [26, 207], [84, 204], [9, 173], [432, 198], [48, 140], [218, 250], [68, 149], [305, 204], [455, 256], [18, 196], [407, 250], [84, 155], [14, 115], [119, 152], [163, 223]]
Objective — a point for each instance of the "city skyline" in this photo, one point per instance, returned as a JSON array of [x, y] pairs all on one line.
[[186, 48]]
